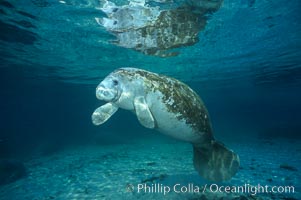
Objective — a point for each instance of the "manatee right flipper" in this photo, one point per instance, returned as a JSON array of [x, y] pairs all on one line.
[[215, 162], [103, 113], [143, 113]]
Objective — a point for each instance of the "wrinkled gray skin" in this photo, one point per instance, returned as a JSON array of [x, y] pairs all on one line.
[[172, 108]]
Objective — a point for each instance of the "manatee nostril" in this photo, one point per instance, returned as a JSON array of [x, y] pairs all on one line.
[[99, 92], [105, 93]]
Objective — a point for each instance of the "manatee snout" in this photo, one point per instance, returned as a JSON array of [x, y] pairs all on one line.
[[106, 92]]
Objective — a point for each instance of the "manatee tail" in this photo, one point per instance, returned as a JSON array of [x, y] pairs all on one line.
[[215, 162]]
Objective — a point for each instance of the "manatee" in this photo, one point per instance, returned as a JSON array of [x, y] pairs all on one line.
[[155, 31], [172, 108]]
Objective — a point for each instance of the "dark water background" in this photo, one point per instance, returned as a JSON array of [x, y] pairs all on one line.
[[246, 67], [45, 115]]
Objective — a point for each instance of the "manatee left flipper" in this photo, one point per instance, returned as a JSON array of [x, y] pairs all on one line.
[[103, 113], [143, 113]]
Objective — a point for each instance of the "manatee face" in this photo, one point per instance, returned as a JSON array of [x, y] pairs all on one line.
[[119, 88], [109, 89]]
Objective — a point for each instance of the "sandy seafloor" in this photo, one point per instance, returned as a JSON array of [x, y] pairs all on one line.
[[114, 171]]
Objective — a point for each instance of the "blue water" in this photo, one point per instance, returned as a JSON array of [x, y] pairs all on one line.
[[246, 67]]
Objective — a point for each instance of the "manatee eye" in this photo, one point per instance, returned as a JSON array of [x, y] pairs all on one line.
[[115, 82]]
